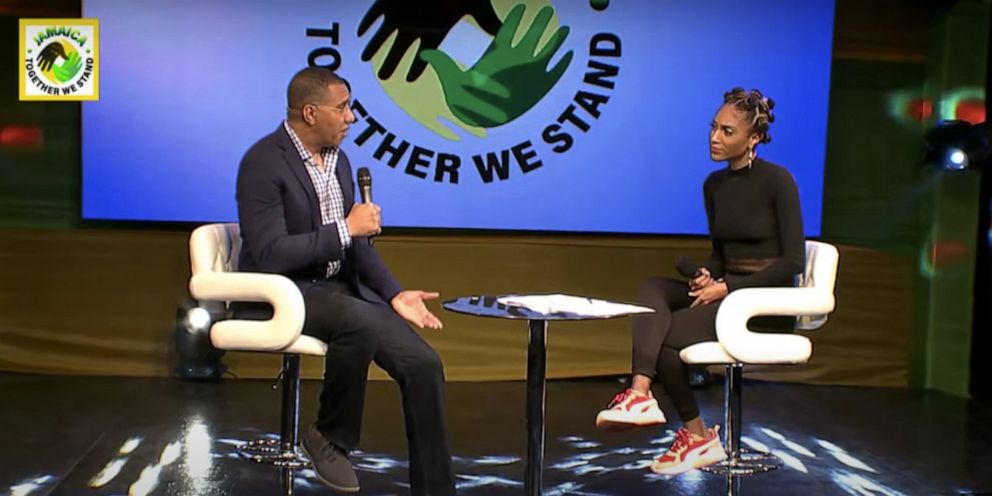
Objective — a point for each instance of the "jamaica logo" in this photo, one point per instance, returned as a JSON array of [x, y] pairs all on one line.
[[59, 59]]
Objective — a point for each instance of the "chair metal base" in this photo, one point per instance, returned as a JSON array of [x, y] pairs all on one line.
[[284, 452], [271, 452], [746, 462], [740, 461]]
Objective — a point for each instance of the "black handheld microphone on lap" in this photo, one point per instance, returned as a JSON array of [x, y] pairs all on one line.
[[687, 267], [365, 188]]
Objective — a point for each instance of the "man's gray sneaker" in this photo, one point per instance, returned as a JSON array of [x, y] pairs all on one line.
[[330, 462]]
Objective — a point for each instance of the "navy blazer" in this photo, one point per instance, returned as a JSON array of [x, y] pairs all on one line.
[[281, 228]]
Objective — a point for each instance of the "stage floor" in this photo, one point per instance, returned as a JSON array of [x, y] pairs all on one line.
[[108, 436]]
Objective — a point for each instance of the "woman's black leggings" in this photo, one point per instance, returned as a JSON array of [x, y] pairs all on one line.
[[659, 337]]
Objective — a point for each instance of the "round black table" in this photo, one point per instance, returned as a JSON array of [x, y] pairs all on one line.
[[537, 323]]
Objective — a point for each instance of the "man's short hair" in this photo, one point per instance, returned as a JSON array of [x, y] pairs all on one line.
[[310, 86]]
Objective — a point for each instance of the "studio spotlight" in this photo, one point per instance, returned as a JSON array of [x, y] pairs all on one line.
[[198, 320], [958, 145], [196, 358], [957, 159]]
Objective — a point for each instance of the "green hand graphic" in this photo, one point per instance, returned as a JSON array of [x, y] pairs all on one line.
[[68, 69], [507, 80]]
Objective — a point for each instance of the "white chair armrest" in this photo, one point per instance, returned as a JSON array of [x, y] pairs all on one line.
[[758, 347], [274, 334]]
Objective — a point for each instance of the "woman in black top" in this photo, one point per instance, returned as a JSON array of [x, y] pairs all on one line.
[[756, 228]]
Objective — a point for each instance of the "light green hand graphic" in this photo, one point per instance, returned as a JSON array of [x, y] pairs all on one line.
[[68, 69], [507, 80]]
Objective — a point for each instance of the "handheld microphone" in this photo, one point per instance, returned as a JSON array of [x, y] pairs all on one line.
[[365, 184], [687, 267], [365, 188]]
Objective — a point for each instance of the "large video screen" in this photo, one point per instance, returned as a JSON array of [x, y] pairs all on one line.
[[578, 116]]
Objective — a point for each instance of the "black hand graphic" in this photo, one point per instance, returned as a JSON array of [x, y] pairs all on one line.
[[427, 21], [48, 55]]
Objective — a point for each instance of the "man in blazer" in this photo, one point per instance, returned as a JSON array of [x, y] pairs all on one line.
[[298, 216]]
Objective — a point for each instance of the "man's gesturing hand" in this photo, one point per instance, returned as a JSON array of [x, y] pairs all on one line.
[[409, 304]]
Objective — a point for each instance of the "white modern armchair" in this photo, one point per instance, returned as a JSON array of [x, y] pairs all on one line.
[[810, 301], [214, 250]]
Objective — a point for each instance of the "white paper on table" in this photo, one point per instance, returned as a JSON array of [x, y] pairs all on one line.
[[580, 305]]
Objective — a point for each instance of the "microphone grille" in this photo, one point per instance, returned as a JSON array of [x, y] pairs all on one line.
[[364, 176]]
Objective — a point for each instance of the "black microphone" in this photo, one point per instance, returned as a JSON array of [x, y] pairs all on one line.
[[365, 188], [687, 267]]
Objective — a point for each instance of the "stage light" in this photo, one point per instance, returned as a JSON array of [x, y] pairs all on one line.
[[196, 359], [198, 320], [957, 159], [958, 145], [23, 136]]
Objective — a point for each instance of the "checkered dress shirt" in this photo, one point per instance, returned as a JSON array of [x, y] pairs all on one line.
[[329, 193]]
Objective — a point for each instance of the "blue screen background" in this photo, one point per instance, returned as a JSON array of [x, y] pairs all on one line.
[[188, 86]]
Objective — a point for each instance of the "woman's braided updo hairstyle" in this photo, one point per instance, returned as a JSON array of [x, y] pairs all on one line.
[[756, 109]]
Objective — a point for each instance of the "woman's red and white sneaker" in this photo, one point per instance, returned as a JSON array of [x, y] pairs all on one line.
[[690, 451], [629, 409]]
